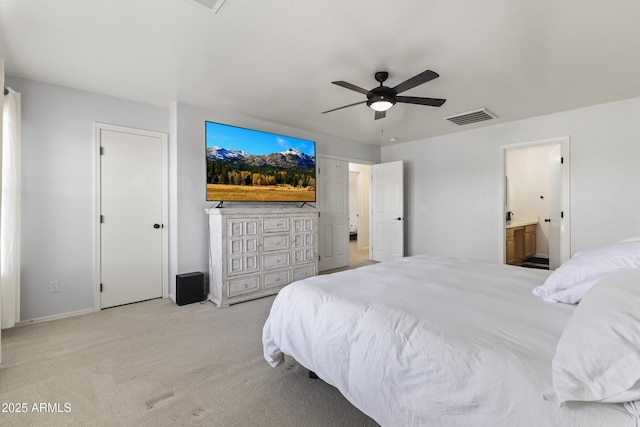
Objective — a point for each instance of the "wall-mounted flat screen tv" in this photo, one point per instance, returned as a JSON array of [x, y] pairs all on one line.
[[254, 166]]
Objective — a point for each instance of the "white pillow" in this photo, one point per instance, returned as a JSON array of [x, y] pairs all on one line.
[[598, 355], [572, 280]]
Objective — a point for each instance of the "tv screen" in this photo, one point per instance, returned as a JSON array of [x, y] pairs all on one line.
[[254, 166]]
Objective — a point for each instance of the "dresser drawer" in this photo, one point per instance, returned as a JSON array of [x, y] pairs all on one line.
[[275, 260], [275, 225], [274, 243], [243, 285], [277, 278], [304, 272]]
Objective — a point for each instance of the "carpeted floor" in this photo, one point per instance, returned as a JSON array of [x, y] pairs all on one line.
[[157, 364], [357, 258]]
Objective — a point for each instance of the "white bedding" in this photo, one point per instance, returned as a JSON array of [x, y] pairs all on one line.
[[433, 341]]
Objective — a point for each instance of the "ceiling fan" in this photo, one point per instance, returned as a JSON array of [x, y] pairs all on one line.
[[382, 98]]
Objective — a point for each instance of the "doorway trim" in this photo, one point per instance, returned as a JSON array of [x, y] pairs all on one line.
[[97, 129], [565, 229]]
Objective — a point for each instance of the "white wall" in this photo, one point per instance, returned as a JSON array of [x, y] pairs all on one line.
[[58, 193], [57, 186], [458, 178], [189, 246]]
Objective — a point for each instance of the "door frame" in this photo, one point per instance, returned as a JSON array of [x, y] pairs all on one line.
[[565, 228], [97, 172]]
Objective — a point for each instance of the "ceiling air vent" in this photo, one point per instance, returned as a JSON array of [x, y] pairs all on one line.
[[471, 117]]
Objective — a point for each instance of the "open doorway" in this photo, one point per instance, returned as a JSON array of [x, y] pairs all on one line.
[[359, 214], [536, 203]]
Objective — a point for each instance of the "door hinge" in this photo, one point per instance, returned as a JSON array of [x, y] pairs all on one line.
[[319, 257], [101, 150], [101, 219], [100, 287], [561, 214], [562, 160]]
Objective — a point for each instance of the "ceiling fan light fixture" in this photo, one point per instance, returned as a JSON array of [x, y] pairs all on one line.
[[381, 103]]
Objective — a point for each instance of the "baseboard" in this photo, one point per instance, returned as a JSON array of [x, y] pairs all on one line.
[[70, 314], [55, 317]]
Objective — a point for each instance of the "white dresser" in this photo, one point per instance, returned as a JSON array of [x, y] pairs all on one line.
[[254, 252]]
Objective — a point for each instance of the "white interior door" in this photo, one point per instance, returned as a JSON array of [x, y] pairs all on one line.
[[131, 208], [555, 207], [387, 213], [333, 204]]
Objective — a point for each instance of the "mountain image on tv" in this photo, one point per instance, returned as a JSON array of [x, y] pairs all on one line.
[[258, 166]]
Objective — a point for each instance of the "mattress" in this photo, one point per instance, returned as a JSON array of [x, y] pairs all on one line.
[[433, 341]]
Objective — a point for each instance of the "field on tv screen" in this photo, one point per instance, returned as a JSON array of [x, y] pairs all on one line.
[[280, 193]]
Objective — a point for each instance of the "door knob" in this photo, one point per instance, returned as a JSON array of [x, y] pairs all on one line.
[[399, 219], [547, 220], [156, 225]]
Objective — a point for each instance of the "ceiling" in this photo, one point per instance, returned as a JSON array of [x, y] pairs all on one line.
[[275, 60]]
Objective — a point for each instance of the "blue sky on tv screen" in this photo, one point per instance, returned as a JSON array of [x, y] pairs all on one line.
[[253, 141]]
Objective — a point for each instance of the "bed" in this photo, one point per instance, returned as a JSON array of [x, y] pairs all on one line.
[[436, 341]]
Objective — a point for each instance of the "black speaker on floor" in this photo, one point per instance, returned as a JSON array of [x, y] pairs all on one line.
[[190, 288]]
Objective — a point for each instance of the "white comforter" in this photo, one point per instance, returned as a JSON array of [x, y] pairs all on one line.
[[432, 341]]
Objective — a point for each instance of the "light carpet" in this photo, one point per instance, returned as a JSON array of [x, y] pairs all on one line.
[[158, 364]]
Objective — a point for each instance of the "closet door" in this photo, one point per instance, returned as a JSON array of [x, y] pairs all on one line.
[[131, 228]]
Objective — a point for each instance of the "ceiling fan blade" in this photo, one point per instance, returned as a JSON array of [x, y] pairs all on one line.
[[340, 108], [352, 87], [434, 102], [414, 81], [380, 115]]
